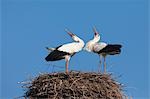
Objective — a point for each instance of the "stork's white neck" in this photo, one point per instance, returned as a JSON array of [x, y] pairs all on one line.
[[96, 39], [81, 42], [90, 44], [78, 40]]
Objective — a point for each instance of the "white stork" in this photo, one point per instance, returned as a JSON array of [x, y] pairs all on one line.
[[101, 48], [66, 51]]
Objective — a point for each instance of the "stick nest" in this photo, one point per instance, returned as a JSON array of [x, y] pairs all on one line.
[[75, 85]]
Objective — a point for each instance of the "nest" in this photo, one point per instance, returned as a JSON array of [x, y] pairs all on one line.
[[75, 85]]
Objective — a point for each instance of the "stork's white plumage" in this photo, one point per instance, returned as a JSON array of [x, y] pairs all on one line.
[[101, 48], [66, 51]]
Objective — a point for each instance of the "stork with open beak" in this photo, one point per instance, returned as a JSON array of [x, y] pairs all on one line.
[[101, 48], [66, 51]]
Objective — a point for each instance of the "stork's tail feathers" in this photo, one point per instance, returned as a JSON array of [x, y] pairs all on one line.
[[115, 49], [116, 45], [50, 49]]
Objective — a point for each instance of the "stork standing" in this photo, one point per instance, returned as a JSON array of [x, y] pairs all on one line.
[[101, 48], [66, 51]]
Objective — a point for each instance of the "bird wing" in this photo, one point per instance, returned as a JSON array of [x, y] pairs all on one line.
[[52, 49], [56, 55], [71, 47], [99, 46], [111, 49]]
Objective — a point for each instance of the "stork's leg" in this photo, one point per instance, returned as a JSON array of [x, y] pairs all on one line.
[[67, 58], [104, 64], [67, 62], [100, 63]]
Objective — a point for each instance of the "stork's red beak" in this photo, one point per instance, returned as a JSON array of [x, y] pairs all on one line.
[[95, 31], [71, 34]]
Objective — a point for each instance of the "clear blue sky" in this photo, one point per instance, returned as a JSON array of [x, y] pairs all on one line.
[[28, 26]]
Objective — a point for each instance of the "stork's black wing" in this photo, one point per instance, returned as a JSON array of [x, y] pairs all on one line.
[[111, 49], [56, 55]]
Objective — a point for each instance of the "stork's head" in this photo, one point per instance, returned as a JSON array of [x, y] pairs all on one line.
[[96, 35], [91, 43], [73, 36]]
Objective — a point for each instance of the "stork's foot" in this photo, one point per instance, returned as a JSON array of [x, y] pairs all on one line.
[[67, 72], [66, 75], [105, 72]]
